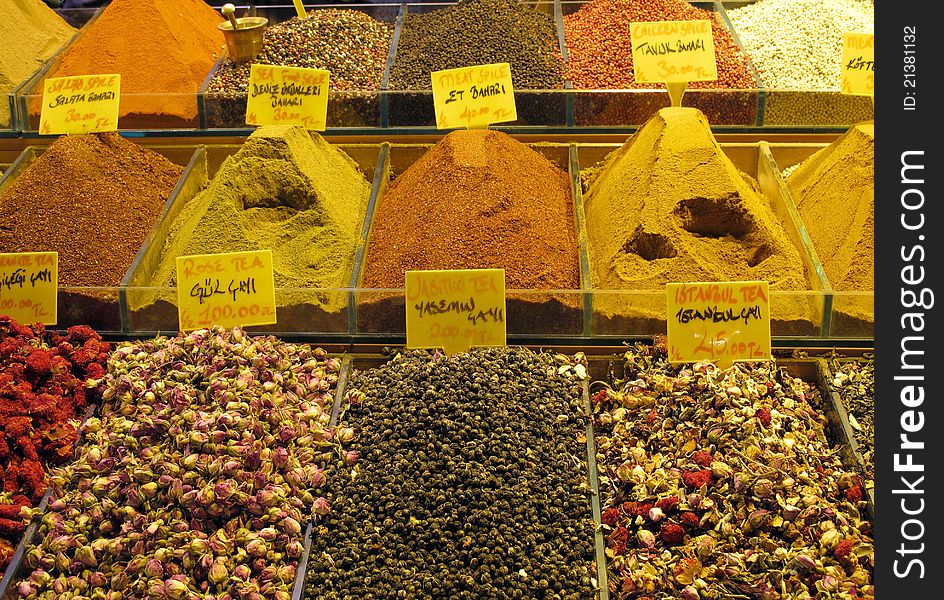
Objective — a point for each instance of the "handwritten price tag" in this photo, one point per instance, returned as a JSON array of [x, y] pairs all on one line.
[[80, 104], [474, 96], [230, 289], [722, 322], [858, 64], [455, 310], [28, 286], [287, 96], [673, 51]]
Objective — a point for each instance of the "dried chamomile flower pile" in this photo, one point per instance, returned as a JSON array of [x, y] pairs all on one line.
[[197, 477], [724, 484], [43, 396]]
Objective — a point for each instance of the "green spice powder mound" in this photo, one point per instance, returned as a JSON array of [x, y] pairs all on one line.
[[669, 206], [834, 190], [287, 190]]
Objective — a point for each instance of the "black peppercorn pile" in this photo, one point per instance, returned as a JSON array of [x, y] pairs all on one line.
[[478, 32], [471, 483]]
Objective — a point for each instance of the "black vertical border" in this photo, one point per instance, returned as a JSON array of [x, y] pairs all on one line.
[[907, 521]]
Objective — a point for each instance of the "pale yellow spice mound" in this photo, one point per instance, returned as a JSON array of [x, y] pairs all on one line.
[[834, 190], [669, 206]]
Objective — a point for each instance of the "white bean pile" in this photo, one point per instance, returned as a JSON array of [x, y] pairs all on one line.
[[797, 44]]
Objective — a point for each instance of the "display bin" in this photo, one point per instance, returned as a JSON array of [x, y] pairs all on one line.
[[366, 361], [529, 313], [98, 306], [596, 108], [414, 108], [800, 313], [10, 122], [813, 371], [30, 94], [149, 309], [852, 312], [18, 569], [346, 109], [805, 108]]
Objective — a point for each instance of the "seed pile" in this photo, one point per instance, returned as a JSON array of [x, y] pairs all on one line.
[[478, 32], [91, 198], [834, 190], [471, 483], [797, 45], [600, 50], [854, 381], [720, 484], [46, 382], [198, 476], [31, 33], [350, 44]]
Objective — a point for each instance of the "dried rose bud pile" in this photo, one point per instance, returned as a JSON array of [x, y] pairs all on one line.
[[721, 484], [198, 476], [43, 394]]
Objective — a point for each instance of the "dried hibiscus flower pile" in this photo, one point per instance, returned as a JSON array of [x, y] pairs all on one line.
[[721, 484], [46, 382]]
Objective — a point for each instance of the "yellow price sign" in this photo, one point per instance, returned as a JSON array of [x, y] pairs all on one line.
[[718, 321], [228, 289], [29, 286], [287, 96], [858, 64], [80, 104], [673, 51], [474, 97], [455, 310]]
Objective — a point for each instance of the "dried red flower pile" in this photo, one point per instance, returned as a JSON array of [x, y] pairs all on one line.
[[719, 484], [43, 393]]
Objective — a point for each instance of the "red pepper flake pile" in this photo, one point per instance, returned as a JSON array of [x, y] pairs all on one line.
[[43, 392], [733, 487]]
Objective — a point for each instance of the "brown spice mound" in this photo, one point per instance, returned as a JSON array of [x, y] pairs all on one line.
[[91, 198], [834, 190], [477, 199], [669, 206]]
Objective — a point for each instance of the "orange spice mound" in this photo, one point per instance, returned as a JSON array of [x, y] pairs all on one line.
[[163, 49]]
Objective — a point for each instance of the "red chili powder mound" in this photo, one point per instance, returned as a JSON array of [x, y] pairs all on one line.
[[600, 52], [477, 199], [159, 47]]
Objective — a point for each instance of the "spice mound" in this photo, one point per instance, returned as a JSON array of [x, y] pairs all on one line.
[[471, 482], [600, 49], [287, 190], [477, 199], [479, 32], [91, 198], [31, 33], [722, 484], [669, 206], [198, 476], [350, 44], [163, 50], [834, 190], [47, 380]]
